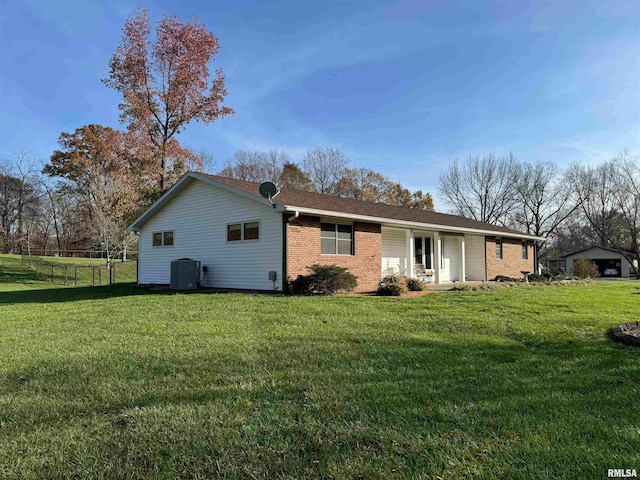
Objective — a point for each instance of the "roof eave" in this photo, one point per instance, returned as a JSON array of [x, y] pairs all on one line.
[[410, 224]]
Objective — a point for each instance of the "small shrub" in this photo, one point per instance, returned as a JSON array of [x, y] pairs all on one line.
[[585, 268], [392, 286], [302, 285], [415, 285], [504, 278], [547, 274], [534, 277], [562, 277], [324, 280]]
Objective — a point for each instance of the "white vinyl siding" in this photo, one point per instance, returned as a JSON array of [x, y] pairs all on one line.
[[475, 264], [199, 216], [394, 246], [449, 270]]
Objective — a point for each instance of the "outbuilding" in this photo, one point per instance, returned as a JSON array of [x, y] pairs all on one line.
[[610, 262]]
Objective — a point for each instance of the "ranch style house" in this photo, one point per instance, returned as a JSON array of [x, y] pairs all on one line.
[[246, 241]]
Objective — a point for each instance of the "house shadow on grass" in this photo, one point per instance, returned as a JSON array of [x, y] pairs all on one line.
[[74, 294]]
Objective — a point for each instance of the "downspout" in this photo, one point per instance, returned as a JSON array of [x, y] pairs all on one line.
[[138, 260], [293, 217], [285, 222], [486, 264]]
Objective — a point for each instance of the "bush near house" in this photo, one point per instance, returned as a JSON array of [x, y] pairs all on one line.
[[585, 268], [543, 277], [415, 285], [324, 280], [391, 286], [394, 285]]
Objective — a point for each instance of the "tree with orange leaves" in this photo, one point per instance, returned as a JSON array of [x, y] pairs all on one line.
[[101, 166], [165, 85]]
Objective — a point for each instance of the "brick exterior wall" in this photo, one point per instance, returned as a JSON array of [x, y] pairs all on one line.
[[303, 249], [512, 262]]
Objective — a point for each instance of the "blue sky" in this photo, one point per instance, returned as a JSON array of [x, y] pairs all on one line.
[[401, 87]]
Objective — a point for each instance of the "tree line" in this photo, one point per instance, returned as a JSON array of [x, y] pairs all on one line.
[[575, 208], [95, 185], [326, 171]]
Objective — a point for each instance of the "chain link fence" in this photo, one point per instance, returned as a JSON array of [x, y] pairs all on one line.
[[89, 273]]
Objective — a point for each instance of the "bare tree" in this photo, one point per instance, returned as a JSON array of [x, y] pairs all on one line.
[[482, 188], [627, 195], [545, 200], [324, 166], [19, 196], [207, 161], [609, 195], [256, 166], [594, 187]]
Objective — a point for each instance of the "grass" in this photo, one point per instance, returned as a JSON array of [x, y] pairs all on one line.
[[125, 382], [78, 271]]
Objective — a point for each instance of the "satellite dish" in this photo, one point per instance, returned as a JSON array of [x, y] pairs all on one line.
[[269, 190]]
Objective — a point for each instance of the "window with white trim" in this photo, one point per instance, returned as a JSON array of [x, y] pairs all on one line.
[[162, 239], [336, 239], [525, 251], [243, 231]]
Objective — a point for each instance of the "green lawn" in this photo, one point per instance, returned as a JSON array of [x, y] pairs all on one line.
[[78, 271], [125, 382]]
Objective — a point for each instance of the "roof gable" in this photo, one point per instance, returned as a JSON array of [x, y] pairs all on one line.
[[180, 185], [594, 247]]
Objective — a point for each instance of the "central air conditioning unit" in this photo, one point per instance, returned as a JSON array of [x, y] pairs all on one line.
[[185, 274]]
